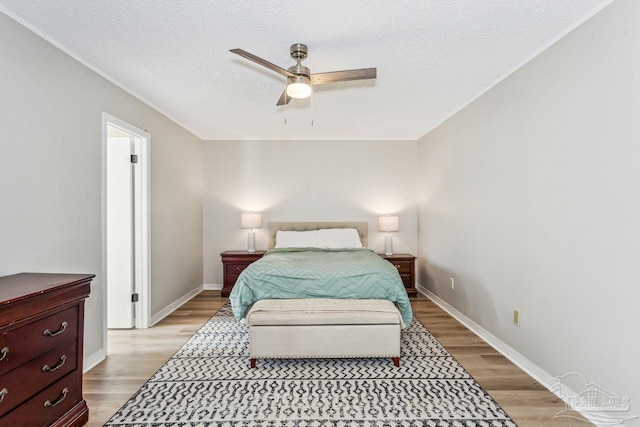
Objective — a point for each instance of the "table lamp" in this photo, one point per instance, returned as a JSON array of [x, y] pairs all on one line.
[[251, 220], [388, 224]]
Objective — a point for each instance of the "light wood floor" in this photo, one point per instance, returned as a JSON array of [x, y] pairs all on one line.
[[135, 355]]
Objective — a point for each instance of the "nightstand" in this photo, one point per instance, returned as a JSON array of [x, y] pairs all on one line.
[[233, 262], [405, 263]]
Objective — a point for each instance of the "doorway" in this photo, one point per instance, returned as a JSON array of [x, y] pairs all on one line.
[[125, 225]]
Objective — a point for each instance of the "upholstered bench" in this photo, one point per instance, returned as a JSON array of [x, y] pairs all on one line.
[[323, 328]]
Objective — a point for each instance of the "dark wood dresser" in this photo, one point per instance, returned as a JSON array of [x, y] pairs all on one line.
[[233, 262], [405, 263], [41, 349]]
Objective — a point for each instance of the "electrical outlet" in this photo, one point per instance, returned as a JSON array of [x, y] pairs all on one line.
[[452, 282], [516, 317]]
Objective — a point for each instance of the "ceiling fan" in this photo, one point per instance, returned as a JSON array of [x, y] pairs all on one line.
[[299, 77]]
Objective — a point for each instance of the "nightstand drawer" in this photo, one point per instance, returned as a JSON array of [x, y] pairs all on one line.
[[232, 271], [405, 264], [234, 263], [407, 280], [403, 267]]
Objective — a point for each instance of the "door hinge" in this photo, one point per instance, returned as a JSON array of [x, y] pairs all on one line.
[[134, 158], [134, 297]]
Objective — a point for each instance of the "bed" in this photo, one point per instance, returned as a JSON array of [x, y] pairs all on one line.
[[356, 278]]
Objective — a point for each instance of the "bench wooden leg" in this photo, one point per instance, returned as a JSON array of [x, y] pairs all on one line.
[[396, 362], [252, 363]]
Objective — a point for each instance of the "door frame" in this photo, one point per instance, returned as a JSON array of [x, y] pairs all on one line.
[[142, 234]]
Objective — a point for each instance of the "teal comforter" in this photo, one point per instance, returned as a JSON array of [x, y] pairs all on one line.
[[320, 273]]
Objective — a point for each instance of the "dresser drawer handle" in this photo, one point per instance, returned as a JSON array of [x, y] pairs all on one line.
[[398, 266], [50, 404], [4, 353], [46, 368], [3, 393], [240, 268], [62, 328]]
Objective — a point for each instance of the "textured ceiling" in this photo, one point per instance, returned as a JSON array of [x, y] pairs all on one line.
[[433, 57]]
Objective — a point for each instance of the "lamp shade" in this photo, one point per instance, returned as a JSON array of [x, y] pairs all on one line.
[[251, 220], [388, 223]]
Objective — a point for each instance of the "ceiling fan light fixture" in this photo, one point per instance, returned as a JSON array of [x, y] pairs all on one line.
[[299, 87], [299, 77]]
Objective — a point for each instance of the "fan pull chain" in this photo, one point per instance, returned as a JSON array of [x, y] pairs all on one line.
[[285, 104]]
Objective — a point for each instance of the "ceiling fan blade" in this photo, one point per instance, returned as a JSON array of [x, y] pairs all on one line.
[[343, 76], [264, 63], [284, 99]]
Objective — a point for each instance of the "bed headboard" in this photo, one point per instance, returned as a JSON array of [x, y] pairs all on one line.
[[361, 226]]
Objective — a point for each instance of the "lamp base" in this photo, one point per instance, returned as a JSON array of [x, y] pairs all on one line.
[[252, 242], [388, 244]]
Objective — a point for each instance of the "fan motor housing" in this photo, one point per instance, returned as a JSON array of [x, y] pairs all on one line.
[[299, 51], [299, 70]]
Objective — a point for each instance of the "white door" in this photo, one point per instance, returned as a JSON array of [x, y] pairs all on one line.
[[126, 223], [120, 230]]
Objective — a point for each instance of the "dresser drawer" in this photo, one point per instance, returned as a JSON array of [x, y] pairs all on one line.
[[26, 380], [41, 326], [31, 340], [61, 397]]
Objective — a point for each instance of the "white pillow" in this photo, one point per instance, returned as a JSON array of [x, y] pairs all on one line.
[[339, 238], [297, 239]]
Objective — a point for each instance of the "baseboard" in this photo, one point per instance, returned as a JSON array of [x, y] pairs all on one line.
[[537, 373], [94, 359], [212, 287], [174, 305]]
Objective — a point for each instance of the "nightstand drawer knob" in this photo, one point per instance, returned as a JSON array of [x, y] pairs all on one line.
[[398, 266], [48, 333], [240, 268], [3, 353], [3, 393]]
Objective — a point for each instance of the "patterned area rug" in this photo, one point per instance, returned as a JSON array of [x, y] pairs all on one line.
[[208, 383]]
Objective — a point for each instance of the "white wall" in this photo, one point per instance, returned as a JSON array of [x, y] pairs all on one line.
[[50, 175], [305, 181], [530, 198]]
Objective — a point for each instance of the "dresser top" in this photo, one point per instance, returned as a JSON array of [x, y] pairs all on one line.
[[24, 285]]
